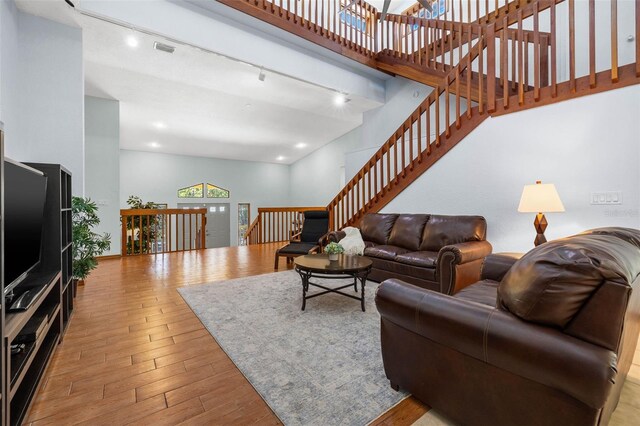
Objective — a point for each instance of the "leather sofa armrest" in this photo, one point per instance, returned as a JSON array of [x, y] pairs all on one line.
[[335, 236], [541, 354], [459, 265], [496, 266], [324, 240]]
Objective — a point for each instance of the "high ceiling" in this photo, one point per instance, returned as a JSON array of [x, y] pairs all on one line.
[[195, 102]]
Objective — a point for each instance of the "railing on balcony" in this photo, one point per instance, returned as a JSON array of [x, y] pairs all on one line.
[[153, 231], [509, 69], [275, 224]]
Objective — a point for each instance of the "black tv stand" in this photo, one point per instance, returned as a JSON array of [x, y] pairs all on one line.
[[35, 332]]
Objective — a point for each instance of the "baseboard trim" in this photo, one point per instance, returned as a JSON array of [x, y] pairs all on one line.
[[109, 257]]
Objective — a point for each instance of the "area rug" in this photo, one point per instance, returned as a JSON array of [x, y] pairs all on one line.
[[322, 366]]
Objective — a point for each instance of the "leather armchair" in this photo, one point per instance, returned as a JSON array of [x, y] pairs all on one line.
[[551, 346]]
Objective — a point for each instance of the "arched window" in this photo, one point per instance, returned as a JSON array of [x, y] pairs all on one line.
[[216, 192], [193, 191]]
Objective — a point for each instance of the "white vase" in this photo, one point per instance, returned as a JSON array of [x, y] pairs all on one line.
[[333, 256]]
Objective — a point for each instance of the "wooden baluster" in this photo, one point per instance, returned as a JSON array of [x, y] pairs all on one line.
[[190, 230], [486, 11], [460, 38], [437, 116], [537, 69], [361, 198], [520, 38], [447, 95], [505, 84], [497, 9], [477, 11], [427, 31], [395, 157], [572, 45], [614, 40], [369, 187], [469, 70], [514, 72], [592, 43], [457, 77], [123, 235], [451, 30], [443, 37], [403, 152], [403, 26], [411, 142], [389, 163], [315, 17], [419, 153], [375, 178], [526, 62], [481, 40], [491, 68], [428, 123]]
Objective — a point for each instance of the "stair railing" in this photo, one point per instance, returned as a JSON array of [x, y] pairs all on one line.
[[274, 224], [424, 137]]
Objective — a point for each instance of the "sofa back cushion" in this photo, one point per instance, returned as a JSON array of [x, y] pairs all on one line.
[[376, 227], [552, 283], [441, 231], [407, 231]]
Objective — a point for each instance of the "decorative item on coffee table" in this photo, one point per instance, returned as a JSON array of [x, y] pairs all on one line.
[[333, 250]]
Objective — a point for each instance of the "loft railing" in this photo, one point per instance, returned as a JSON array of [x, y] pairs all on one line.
[[275, 224], [420, 140], [153, 231], [509, 69]]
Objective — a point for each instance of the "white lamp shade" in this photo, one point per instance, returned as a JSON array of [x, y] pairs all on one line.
[[540, 198]]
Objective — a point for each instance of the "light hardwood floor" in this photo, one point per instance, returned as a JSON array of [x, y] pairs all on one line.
[[135, 353]]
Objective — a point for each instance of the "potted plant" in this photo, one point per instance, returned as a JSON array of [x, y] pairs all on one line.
[[333, 249], [145, 228], [86, 243]]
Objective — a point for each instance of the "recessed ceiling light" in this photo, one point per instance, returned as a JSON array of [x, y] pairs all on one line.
[[132, 41], [280, 157], [247, 106], [301, 145], [159, 125], [154, 144], [340, 99]]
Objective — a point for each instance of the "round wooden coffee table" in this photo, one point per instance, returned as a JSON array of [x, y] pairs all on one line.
[[349, 267]]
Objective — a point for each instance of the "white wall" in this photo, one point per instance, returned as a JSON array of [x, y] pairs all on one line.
[[585, 145], [157, 178], [42, 91], [8, 68], [102, 159], [317, 178]]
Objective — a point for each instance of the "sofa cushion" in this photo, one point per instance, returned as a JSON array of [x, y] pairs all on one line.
[[551, 283], [424, 259], [384, 251], [484, 292], [407, 231], [376, 227], [441, 231], [393, 269]]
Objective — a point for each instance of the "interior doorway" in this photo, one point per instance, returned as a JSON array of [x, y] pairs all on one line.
[[218, 231]]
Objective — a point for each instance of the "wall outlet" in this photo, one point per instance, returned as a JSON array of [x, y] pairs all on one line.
[[606, 198]]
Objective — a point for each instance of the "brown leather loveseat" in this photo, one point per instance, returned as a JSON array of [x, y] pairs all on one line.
[[546, 339], [441, 253]]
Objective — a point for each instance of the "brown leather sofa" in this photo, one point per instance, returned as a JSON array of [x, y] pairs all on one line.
[[546, 339], [440, 253]]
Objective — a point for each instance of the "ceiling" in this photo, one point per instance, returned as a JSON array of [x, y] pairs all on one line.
[[194, 102]]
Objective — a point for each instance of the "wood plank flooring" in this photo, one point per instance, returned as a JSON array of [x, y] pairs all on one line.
[[134, 353]]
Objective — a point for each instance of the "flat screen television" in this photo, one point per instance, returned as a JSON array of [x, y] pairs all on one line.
[[24, 198]]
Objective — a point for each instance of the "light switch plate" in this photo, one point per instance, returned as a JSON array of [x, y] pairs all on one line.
[[606, 198]]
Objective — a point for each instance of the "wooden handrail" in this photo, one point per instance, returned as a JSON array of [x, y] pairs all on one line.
[[274, 224], [153, 231], [516, 71]]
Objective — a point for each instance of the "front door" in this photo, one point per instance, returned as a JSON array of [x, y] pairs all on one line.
[[218, 223]]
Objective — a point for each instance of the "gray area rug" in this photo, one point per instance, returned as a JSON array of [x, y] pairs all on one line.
[[322, 366]]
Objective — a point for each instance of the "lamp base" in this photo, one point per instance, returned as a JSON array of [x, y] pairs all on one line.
[[540, 223]]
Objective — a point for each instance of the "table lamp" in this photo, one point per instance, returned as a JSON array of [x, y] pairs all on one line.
[[540, 198]]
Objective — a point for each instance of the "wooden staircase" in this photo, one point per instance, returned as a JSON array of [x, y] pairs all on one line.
[[482, 57]]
